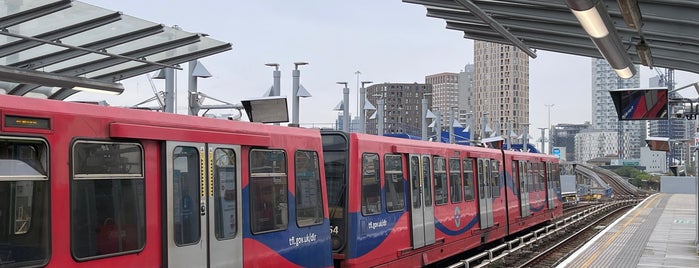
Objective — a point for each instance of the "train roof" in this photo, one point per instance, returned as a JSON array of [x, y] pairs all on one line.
[[25, 106]]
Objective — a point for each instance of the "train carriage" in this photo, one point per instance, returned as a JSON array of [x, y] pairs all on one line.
[[85, 185], [398, 202], [88, 186]]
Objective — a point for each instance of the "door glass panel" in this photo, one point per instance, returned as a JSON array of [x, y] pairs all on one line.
[[185, 197], [225, 193], [427, 179], [415, 181]]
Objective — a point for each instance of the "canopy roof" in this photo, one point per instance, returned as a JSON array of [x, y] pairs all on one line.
[[667, 36], [50, 48]]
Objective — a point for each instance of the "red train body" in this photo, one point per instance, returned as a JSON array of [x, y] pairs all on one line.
[[87, 186], [91, 186], [407, 203]]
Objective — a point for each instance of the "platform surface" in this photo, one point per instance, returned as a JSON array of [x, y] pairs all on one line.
[[659, 232]]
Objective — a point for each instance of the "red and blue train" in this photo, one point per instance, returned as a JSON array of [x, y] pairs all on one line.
[[83, 185]]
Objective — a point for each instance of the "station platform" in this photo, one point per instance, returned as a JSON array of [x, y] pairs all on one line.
[[659, 232]]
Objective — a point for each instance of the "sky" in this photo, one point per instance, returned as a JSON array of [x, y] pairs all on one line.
[[386, 41]]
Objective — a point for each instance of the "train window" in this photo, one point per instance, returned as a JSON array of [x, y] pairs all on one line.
[[440, 181], [542, 171], [455, 180], [107, 199], [24, 203], [225, 194], [309, 201], [268, 188], [495, 177], [415, 181], [371, 184], [395, 186], [515, 178], [468, 179]]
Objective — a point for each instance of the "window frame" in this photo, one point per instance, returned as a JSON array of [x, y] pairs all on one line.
[[388, 174], [77, 176], [255, 192], [317, 183], [365, 177]]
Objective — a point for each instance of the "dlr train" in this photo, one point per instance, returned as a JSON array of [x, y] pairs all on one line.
[[84, 185]]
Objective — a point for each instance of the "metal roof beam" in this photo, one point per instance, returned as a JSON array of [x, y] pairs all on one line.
[[496, 26], [21, 45], [519, 25], [45, 60], [88, 67], [139, 53], [135, 71], [33, 13], [83, 49], [138, 70]]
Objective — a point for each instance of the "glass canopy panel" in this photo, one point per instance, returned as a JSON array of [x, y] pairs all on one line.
[[167, 35], [7, 86], [203, 44], [127, 24], [78, 13], [9, 7]]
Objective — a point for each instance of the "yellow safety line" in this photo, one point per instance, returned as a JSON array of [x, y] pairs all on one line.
[[617, 233]]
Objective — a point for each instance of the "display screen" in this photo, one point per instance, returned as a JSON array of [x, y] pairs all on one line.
[[27, 122], [640, 104]]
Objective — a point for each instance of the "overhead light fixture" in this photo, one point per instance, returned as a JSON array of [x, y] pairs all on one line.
[[88, 89], [56, 80], [597, 24], [592, 22], [644, 54], [631, 13]]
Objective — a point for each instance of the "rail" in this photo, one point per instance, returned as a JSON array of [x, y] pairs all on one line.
[[500, 251]]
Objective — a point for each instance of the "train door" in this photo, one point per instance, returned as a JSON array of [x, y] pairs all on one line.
[[550, 185], [524, 178], [203, 205], [485, 197], [422, 209]]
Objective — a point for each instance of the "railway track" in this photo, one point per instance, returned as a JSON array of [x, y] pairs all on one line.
[[552, 254], [540, 247]]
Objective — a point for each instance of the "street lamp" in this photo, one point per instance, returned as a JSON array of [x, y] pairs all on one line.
[[379, 114], [550, 128], [362, 103], [345, 107], [277, 75], [295, 74], [525, 136], [423, 124], [543, 138]]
